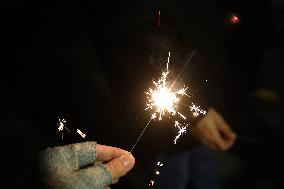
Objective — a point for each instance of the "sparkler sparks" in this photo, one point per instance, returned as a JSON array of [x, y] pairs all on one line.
[[182, 129], [156, 173], [196, 110], [164, 99], [61, 126], [83, 135], [160, 164]]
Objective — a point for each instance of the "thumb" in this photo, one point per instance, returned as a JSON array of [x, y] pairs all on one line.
[[120, 166]]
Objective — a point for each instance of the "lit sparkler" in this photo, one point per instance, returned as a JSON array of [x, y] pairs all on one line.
[[164, 99], [61, 126]]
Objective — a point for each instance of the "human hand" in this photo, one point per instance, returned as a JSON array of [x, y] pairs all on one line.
[[214, 131], [83, 165]]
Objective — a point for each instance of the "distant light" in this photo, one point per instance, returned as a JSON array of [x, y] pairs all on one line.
[[234, 19]]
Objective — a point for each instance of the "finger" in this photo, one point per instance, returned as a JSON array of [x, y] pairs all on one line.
[[227, 133], [205, 132], [97, 176], [229, 140], [225, 143], [107, 153], [218, 142], [224, 126], [118, 167]]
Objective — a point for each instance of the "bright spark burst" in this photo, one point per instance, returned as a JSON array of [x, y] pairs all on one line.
[[182, 129], [196, 110], [61, 126], [81, 133], [163, 98]]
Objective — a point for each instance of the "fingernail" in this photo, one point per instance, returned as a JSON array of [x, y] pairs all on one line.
[[125, 160]]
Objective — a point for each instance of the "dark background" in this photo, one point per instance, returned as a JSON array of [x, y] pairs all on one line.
[[91, 61]]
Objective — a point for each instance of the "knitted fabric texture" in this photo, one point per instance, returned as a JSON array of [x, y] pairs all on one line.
[[73, 166]]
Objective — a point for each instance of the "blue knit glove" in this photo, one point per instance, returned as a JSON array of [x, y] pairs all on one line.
[[83, 165]]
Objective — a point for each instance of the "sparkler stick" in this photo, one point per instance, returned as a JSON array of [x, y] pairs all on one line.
[[140, 135]]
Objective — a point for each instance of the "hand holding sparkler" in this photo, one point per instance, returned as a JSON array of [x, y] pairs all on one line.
[[83, 165], [213, 131]]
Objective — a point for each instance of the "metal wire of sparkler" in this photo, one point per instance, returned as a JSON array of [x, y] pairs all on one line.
[[141, 134]]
